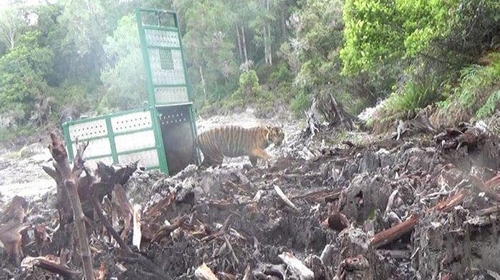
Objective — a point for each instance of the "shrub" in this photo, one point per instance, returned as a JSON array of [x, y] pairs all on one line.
[[300, 103], [477, 94]]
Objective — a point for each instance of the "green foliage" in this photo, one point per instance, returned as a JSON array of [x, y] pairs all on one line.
[[300, 103], [414, 97], [124, 78], [490, 106], [18, 136], [250, 91], [22, 75], [477, 95], [12, 26], [381, 32]]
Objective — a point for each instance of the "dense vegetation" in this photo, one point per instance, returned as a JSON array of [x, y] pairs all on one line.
[[73, 57]]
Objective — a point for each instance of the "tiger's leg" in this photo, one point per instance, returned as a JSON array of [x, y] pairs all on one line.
[[253, 160], [217, 160], [205, 164], [260, 153]]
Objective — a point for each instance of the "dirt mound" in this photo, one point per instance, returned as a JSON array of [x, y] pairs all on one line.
[[386, 209]]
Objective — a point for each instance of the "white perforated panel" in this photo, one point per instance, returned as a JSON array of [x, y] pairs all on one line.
[[96, 147], [135, 141], [146, 158], [87, 130], [131, 122]]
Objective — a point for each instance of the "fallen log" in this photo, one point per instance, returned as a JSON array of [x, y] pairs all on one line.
[[51, 266], [389, 235], [450, 203], [394, 233]]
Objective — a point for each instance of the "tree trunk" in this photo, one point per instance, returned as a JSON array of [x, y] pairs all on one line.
[[244, 43], [269, 53], [240, 52], [267, 39], [202, 77], [283, 20]]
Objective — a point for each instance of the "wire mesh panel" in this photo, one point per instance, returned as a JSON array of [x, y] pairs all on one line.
[[163, 56]]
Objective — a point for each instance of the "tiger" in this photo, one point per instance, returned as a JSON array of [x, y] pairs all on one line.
[[235, 141]]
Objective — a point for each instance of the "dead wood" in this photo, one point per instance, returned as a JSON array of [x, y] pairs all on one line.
[[296, 266], [389, 235], [123, 208], [336, 221], [131, 256], [488, 211], [204, 272], [396, 254], [340, 116], [52, 266], [221, 232], [58, 151], [319, 196], [318, 267], [248, 273], [165, 231], [60, 173], [10, 236], [419, 124], [394, 233], [354, 268], [156, 213], [16, 210], [137, 231], [284, 198], [487, 188], [450, 203]]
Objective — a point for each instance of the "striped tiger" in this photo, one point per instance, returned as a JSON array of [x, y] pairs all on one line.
[[236, 141]]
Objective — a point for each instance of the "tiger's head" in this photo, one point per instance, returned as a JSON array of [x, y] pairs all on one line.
[[275, 135]]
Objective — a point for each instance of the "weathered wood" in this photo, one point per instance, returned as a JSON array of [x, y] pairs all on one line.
[[389, 235], [336, 221], [284, 198], [354, 268], [204, 272], [70, 179], [450, 203], [296, 266], [51, 266], [10, 236], [486, 188]]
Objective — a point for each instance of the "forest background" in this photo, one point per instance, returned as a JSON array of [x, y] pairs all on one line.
[[74, 58]]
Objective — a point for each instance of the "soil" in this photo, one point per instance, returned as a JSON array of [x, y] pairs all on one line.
[[345, 189]]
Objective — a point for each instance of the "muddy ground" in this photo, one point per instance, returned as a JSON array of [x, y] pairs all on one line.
[[344, 190]]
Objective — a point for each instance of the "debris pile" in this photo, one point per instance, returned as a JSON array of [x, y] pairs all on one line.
[[421, 205]]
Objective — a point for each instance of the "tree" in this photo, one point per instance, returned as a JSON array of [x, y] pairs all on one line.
[[210, 47], [12, 24], [22, 72], [124, 78]]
